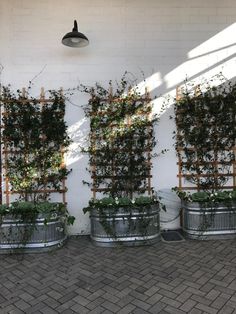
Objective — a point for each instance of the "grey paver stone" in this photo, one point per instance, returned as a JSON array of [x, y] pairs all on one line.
[[15, 311], [179, 289], [26, 297], [54, 294], [207, 287], [232, 285], [66, 305], [95, 303], [204, 280], [139, 311], [81, 300], [22, 305], [67, 297], [213, 294], [68, 311], [219, 303], [206, 308], [188, 305], [157, 308], [226, 310], [171, 302], [110, 297], [97, 310], [173, 310], [183, 296], [113, 308], [126, 300], [93, 296], [219, 283], [138, 295], [127, 309], [232, 304], [143, 305], [51, 303], [202, 300], [77, 308], [165, 286], [154, 298], [225, 290], [151, 291], [195, 311], [195, 291], [168, 294], [48, 310]]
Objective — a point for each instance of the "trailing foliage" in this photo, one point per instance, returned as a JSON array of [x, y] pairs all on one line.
[[204, 197], [25, 215], [34, 135], [26, 211], [124, 202], [206, 134]]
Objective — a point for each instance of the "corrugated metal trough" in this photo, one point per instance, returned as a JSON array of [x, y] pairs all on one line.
[[209, 220], [138, 228]]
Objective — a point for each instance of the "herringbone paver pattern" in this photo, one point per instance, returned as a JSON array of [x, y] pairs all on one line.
[[188, 277]]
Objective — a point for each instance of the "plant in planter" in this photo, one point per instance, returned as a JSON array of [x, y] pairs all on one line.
[[28, 225], [121, 140], [34, 139], [205, 146]]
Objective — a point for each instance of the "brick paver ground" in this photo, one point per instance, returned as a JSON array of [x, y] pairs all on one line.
[[186, 277]]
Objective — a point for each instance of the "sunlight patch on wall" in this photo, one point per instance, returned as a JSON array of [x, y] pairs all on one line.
[[221, 41], [167, 100], [78, 134], [209, 58], [151, 83]]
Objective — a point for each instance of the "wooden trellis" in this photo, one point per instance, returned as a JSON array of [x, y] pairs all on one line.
[[95, 141], [6, 151], [183, 177]]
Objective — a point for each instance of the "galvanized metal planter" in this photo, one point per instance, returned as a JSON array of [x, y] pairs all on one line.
[[39, 237], [129, 229], [209, 220]]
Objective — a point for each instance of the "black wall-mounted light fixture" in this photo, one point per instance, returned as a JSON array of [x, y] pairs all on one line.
[[75, 39]]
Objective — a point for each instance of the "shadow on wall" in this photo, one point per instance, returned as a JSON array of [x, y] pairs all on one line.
[[217, 54]]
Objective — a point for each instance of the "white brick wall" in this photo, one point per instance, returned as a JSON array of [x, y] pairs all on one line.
[[155, 37]]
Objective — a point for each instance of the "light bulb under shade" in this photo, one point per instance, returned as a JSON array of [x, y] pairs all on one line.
[[75, 40]]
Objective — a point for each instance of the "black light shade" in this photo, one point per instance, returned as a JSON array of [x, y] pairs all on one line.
[[75, 39]]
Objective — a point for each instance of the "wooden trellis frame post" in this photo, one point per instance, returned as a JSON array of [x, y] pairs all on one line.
[[148, 98], [1, 172], [178, 97], [234, 168]]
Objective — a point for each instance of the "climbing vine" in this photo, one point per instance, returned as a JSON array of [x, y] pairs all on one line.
[[121, 139], [206, 133], [34, 135]]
